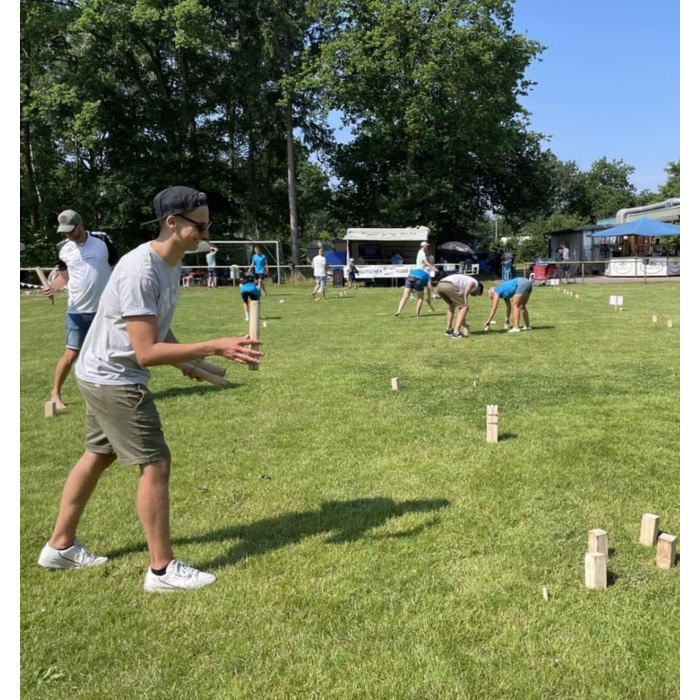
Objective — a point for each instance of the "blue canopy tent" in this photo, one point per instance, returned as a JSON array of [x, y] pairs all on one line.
[[640, 227]]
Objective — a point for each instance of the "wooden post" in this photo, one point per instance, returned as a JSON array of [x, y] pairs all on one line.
[[491, 423], [650, 530], [395, 384], [49, 409], [254, 324], [596, 570], [666, 551], [598, 541]]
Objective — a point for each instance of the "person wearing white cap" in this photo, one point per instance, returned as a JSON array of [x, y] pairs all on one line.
[[85, 261], [423, 263]]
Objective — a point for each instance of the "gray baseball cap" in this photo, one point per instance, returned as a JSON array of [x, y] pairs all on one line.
[[68, 220]]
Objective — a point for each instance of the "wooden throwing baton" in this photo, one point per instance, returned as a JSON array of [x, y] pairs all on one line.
[[44, 281]]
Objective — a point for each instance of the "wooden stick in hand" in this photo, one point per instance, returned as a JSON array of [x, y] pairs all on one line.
[[210, 367], [199, 373], [44, 281]]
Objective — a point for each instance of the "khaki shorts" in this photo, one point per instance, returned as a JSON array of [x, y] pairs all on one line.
[[451, 294], [122, 419]]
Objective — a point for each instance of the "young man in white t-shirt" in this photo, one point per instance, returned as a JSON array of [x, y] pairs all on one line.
[[130, 333], [85, 261], [319, 269]]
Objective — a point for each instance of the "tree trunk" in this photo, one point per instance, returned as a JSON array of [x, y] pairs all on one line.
[[291, 186]]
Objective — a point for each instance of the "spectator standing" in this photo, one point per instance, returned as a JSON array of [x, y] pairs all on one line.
[[352, 274], [319, 268], [212, 273]]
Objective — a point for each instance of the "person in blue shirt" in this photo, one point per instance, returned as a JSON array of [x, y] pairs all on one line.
[[518, 290], [249, 291], [259, 268], [416, 281]]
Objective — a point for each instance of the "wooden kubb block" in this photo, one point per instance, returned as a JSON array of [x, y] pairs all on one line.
[[395, 384], [596, 570], [49, 409], [649, 531], [666, 551], [598, 541]]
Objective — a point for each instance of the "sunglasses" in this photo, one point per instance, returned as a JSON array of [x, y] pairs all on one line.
[[201, 227]]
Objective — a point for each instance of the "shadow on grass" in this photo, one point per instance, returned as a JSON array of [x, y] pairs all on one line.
[[194, 388], [342, 521]]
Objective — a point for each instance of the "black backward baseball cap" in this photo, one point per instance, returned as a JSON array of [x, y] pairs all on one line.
[[176, 200]]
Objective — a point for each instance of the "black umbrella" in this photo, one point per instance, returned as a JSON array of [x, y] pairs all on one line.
[[455, 247]]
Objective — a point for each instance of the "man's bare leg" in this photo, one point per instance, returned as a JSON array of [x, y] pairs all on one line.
[[78, 488], [63, 368], [153, 506]]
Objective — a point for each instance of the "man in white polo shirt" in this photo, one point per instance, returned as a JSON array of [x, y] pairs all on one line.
[[85, 261]]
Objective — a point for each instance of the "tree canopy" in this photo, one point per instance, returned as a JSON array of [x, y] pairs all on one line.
[[120, 98]]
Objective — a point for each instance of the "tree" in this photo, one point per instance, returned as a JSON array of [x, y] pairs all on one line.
[[430, 90], [672, 187]]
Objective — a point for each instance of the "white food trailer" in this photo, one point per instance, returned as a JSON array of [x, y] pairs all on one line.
[[372, 249]]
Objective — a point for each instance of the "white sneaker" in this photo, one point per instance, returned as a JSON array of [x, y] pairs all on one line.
[[247, 317], [514, 330], [75, 557], [177, 576], [527, 328]]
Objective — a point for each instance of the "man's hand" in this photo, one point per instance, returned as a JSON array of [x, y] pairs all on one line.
[[239, 350]]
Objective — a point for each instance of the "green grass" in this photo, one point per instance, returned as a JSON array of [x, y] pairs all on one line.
[[370, 543]]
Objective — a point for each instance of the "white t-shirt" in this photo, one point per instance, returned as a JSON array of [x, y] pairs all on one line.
[[319, 265], [461, 282], [88, 271], [421, 260], [142, 284]]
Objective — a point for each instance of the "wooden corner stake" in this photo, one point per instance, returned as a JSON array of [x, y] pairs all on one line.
[[491, 423]]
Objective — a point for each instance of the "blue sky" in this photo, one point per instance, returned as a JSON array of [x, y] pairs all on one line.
[[609, 81]]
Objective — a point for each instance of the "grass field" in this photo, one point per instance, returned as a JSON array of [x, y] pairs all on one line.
[[369, 543]]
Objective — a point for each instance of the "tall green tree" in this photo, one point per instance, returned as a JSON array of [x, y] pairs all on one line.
[[429, 90]]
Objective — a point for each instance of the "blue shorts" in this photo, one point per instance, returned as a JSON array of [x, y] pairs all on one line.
[[77, 326], [211, 272], [321, 281], [524, 286], [414, 283]]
